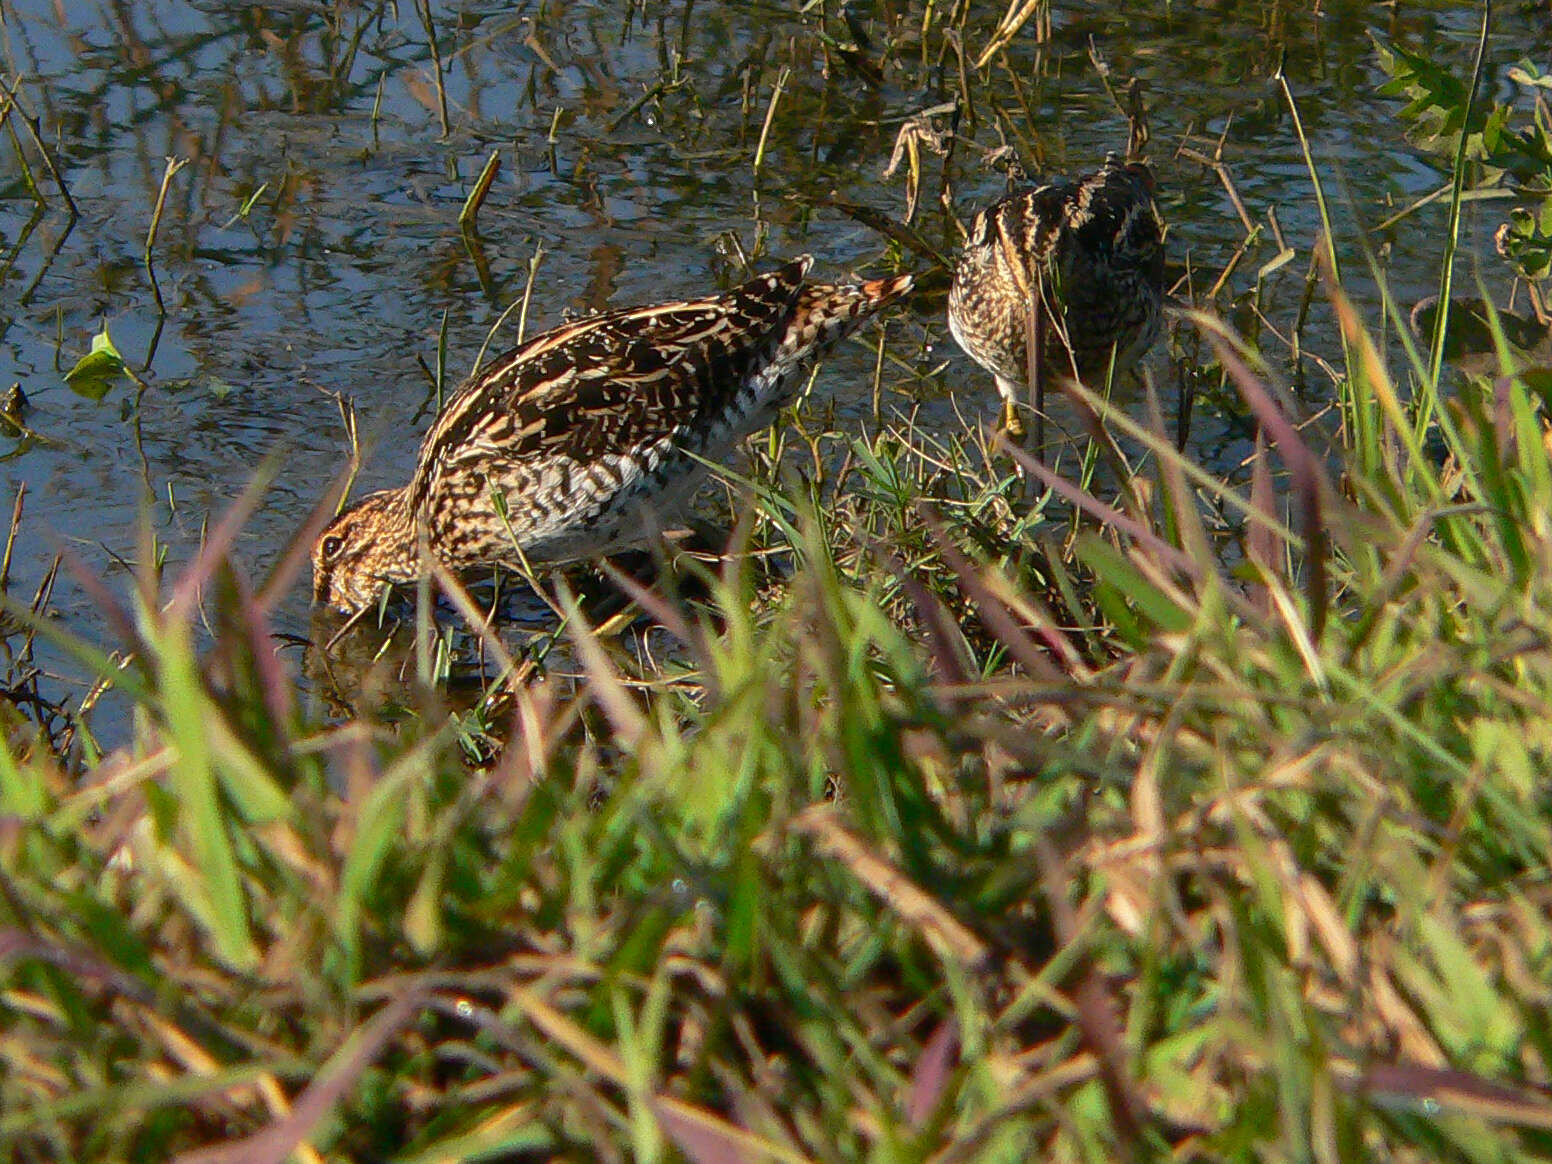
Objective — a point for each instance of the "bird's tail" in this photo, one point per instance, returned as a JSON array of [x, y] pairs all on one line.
[[827, 311]]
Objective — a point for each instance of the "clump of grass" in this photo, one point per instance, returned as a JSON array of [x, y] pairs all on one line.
[[913, 858]]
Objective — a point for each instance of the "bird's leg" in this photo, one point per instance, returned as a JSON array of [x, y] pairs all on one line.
[[1012, 428], [1012, 423]]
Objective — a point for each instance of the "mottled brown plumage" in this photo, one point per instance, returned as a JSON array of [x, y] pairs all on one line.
[[592, 435], [1078, 264]]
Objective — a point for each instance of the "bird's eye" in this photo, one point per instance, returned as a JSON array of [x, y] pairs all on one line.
[[332, 546]]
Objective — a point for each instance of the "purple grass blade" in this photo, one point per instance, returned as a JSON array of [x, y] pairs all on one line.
[[946, 649], [931, 1074], [186, 590], [276, 1142], [993, 613], [1309, 481]]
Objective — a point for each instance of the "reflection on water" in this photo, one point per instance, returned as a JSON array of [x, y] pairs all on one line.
[[311, 247]]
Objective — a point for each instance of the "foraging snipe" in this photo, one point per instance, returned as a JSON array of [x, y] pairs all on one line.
[[584, 439], [1079, 264]]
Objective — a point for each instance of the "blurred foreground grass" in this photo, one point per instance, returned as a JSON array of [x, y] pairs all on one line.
[[957, 837]]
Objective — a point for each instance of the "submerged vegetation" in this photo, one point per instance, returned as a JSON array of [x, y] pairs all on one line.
[[1100, 807]]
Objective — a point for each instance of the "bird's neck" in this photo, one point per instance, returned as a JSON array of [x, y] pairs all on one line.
[[400, 538]]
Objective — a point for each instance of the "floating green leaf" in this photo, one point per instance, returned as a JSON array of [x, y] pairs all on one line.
[[1526, 73], [95, 372]]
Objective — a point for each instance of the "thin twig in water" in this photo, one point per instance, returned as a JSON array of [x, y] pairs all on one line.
[[520, 306], [30, 124], [424, 8], [770, 115], [468, 216], [533, 273], [10, 538], [173, 166], [1012, 23]]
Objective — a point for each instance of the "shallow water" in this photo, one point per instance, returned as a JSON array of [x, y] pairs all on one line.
[[627, 136]]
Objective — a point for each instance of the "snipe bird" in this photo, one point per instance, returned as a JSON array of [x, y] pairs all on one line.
[[583, 440], [1077, 266]]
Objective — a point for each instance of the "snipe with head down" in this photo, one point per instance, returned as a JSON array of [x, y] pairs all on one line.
[[1077, 266], [586, 439]]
